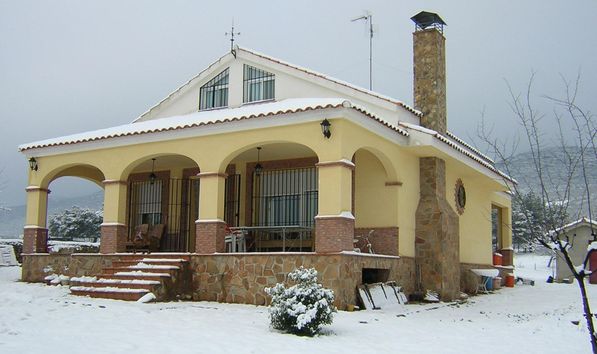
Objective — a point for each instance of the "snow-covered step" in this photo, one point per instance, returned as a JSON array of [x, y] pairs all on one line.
[[137, 274], [151, 261], [150, 285], [140, 270], [109, 292]]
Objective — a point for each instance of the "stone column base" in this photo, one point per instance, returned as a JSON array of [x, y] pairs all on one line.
[[113, 238], [209, 236], [35, 240], [507, 257], [334, 233]]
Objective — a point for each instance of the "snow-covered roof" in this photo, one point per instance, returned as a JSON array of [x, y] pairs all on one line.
[[203, 118], [574, 224]]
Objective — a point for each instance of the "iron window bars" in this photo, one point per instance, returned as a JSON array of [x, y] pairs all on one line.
[[258, 84], [214, 93]]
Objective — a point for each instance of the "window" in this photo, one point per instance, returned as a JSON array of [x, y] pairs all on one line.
[[496, 228], [258, 85], [214, 93], [149, 207]]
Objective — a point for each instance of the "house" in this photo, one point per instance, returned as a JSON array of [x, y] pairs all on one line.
[[305, 166], [579, 234]]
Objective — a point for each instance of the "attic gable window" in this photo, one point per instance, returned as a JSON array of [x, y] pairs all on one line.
[[258, 85], [214, 93]]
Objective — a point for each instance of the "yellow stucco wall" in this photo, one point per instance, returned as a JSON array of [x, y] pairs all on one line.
[[475, 222], [379, 161]]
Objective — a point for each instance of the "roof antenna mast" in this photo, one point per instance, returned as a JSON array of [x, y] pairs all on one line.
[[368, 17], [232, 34]]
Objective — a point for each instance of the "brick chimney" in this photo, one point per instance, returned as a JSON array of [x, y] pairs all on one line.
[[429, 51], [437, 237]]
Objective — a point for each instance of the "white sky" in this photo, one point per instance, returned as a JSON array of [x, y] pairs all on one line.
[[72, 66]]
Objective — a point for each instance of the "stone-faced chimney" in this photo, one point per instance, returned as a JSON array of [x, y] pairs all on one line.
[[430, 70]]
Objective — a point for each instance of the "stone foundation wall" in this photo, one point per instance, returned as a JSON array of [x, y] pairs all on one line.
[[243, 278], [36, 266]]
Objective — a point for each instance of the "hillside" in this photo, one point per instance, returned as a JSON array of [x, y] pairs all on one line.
[[522, 170], [12, 220]]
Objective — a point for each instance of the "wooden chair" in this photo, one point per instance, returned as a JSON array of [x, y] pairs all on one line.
[[155, 236], [141, 238]]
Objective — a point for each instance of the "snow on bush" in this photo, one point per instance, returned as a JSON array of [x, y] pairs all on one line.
[[76, 223], [302, 308]]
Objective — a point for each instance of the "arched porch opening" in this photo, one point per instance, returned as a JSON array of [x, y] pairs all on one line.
[[162, 203], [273, 200], [77, 185], [375, 202]]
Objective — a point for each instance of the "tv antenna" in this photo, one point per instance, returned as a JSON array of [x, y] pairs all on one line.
[[232, 34], [368, 18]]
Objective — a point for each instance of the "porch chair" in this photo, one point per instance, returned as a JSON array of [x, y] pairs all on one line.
[[155, 236], [140, 238], [235, 241]]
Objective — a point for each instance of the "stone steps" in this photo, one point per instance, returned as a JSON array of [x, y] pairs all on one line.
[[133, 276]]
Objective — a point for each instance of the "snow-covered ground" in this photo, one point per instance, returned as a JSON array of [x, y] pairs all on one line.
[[36, 318]]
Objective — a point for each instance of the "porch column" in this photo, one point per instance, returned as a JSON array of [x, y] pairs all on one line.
[[334, 224], [113, 229], [35, 234], [210, 227]]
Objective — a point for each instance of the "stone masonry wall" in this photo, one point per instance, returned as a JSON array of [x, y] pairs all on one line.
[[243, 278], [436, 233], [430, 78]]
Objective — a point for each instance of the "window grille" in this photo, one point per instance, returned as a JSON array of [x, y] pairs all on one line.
[[258, 85], [214, 93]]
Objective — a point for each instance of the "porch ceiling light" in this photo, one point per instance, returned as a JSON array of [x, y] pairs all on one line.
[[152, 176], [325, 128], [258, 167], [33, 164]]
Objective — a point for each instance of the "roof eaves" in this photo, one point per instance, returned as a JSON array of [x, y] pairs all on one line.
[[473, 156], [345, 104]]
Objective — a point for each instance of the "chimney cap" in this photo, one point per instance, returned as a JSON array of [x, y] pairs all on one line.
[[424, 20]]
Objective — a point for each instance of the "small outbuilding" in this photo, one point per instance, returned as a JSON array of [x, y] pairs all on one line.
[[580, 234]]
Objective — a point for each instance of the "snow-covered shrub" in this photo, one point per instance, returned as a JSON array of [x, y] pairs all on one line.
[[76, 223], [302, 308]]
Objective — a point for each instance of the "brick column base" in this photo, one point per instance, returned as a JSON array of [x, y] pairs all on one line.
[[507, 257], [35, 240], [334, 234], [113, 238], [209, 236]]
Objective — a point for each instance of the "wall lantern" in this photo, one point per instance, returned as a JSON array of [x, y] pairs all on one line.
[[325, 128], [152, 176], [258, 167], [33, 164]]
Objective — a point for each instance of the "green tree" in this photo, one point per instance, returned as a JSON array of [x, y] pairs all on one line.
[[76, 223]]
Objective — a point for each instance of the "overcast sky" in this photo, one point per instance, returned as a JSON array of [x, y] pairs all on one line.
[[73, 66]]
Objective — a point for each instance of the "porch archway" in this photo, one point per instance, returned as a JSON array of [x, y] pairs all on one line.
[[375, 202]]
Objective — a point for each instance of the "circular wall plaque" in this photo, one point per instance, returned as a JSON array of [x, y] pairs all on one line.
[[460, 196]]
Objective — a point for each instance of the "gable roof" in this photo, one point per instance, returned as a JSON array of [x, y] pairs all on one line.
[[573, 225], [283, 64]]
